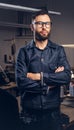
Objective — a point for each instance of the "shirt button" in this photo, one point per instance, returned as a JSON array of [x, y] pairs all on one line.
[[42, 59], [40, 106]]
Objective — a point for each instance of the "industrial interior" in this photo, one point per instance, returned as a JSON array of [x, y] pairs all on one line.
[[15, 19]]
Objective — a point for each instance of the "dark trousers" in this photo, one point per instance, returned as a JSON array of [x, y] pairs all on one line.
[[42, 119]]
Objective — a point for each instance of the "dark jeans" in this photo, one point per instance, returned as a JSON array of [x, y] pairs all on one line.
[[42, 119]]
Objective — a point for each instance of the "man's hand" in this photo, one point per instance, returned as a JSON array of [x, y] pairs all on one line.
[[33, 76], [59, 69]]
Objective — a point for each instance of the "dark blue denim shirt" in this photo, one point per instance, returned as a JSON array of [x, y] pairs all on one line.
[[32, 59]]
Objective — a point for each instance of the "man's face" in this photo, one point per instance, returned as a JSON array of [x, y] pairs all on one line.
[[42, 27]]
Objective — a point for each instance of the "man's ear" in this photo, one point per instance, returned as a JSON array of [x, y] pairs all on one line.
[[32, 27]]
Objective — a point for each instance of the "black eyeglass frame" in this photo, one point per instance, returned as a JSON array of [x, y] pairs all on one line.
[[47, 24]]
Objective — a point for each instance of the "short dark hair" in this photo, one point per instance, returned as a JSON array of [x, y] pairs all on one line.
[[40, 12]]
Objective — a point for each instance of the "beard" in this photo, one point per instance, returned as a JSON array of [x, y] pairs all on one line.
[[39, 37]]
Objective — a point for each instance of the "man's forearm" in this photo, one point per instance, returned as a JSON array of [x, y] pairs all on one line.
[[33, 76], [37, 76]]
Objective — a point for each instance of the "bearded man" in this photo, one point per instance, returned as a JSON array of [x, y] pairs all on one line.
[[41, 68]]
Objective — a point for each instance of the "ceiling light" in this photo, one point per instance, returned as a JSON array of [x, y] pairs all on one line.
[[68, 45], [22, 8]]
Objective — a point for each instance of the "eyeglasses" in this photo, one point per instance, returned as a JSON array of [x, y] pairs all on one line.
[[41, 24]]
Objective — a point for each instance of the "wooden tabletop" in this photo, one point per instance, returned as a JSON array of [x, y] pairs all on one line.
[[9, 85]]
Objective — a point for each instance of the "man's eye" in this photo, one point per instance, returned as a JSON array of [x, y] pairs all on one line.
[[40, 23], [47, 23]]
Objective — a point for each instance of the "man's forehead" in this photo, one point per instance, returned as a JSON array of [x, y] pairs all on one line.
[[42, 17]]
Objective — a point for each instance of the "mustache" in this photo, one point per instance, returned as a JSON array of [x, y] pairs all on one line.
[[43, 30]]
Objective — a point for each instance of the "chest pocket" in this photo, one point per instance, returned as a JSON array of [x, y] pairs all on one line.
[[54, 61]]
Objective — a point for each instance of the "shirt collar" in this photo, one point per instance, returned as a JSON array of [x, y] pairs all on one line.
[[50, 44]]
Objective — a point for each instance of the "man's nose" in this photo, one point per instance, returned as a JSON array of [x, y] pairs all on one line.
[[44, 25]]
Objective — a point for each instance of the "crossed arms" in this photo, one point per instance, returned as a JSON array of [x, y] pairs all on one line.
[[37, 76]]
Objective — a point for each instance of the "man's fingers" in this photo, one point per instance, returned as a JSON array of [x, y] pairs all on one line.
[[59, 69]]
